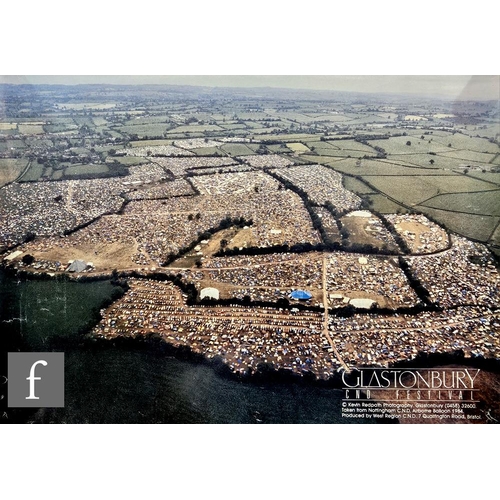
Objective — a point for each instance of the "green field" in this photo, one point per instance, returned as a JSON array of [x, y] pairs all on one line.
[[244, 115], [28, 128], [11, 168], [435, 135], [35, 142], [367, 118], [397, 145], [85, 170], [251, 125], [356, 186], [294, 116], [440, 161], [235, 149], [297, 147], [234, 127], [383, 205], [208, 151], [375, 167], [143, 120], [8, 126], [53, 128], [470, 156], [147, 144], [333, 118], [88, 105], [288, 137], [323, 160], [322, 145], [130, 160], [34, 172], [495, 239], [486, 176], [11, 144], [114, 133], [461, 141], [459, 184], [99, 121], [352, 145], [277, 148], [339, 153], [147, 130], [84, 120], [414, 190], [408, 190], [195, 128], [491, 131], [477, 227], [487, 203]]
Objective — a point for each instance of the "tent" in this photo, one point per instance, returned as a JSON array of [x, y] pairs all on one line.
[[211, 293], [362, 303], [77, 266], [300, 295]]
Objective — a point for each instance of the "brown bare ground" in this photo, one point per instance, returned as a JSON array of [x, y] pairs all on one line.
[[359, 235], [235, 238], [413, 227], [104, 256], [362, 294]]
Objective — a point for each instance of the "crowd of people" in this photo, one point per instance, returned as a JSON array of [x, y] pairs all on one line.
[[262, 278], [49, 208], [243, 337], [229, 169], [278, 215], [164, 227], [368, 276], [197, 143], [272, 277], [146, 173], [380, 340], [328, 223], [266, 161], [373, 226], [420, 234], [322, 185], [463, 275], [177, 187], [180, 166], [167, 150]]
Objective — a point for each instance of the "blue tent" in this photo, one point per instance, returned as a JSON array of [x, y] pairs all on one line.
[[300, 295]]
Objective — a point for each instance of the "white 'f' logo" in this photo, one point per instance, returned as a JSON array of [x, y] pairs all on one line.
[[32, 378]]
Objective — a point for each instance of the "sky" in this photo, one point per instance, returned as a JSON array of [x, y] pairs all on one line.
[[450, 86]]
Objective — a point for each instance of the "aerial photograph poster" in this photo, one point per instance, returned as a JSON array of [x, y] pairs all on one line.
[[250, 249]]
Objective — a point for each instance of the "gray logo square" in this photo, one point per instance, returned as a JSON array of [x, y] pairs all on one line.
[[35, 379]]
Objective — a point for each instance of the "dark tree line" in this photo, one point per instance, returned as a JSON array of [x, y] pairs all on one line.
[[225, 223]]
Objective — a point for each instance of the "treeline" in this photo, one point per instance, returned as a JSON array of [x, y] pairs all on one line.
[[316, 221], [285, 248], [68, 232], [346, 311], [400, 241], [225, 223], [415, 283], [246, 301]]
